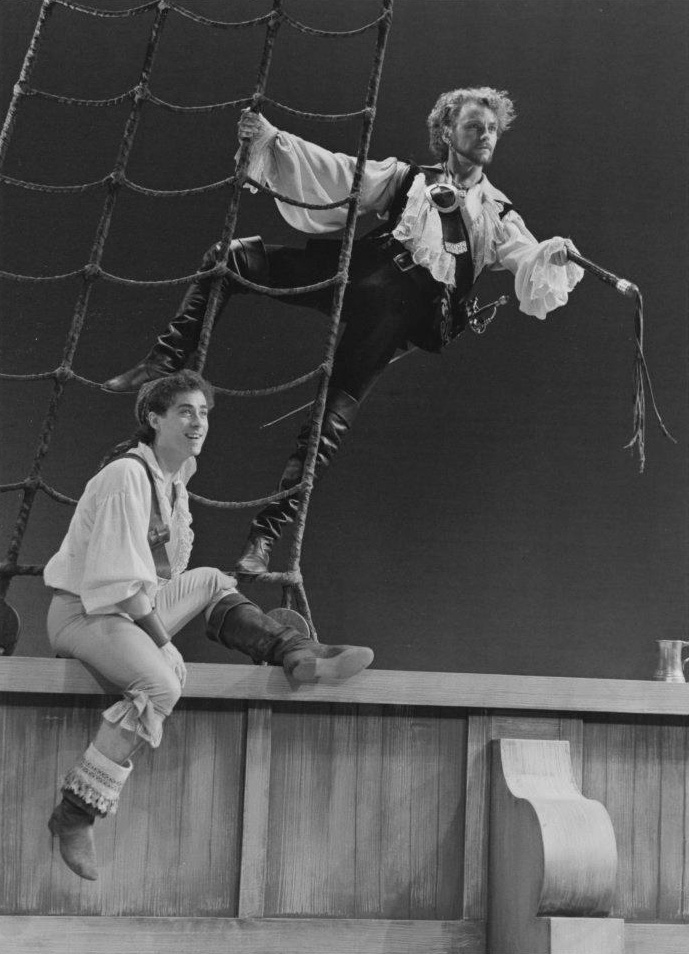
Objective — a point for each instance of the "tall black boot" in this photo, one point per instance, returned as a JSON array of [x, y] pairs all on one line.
[[181, 337], [238, 623], [266, 527]]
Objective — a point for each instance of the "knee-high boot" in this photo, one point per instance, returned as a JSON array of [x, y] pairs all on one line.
[[181, 337], [91, 788], [266, 527], [238, 623]]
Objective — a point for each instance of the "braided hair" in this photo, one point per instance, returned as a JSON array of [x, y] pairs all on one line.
[[158, 396]]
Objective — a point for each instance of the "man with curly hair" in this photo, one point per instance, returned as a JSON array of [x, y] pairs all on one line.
[[410, 279]]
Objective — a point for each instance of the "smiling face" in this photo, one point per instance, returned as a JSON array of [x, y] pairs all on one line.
[[182, 429], [474, 134]]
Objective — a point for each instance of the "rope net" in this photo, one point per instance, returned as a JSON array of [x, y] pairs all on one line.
[[91, 272]]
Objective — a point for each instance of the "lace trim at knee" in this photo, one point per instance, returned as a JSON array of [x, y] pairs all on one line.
[[137, 713]]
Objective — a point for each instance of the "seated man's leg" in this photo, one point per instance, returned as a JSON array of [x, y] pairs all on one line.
[[126, 657], [237, 623]]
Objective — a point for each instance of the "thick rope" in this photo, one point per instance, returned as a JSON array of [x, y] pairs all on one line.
[[333, 34], [67, 374], [25, 90], [109, 14], [241, 102], [121, 180], [204, 108], [318, 412], [40, 485], [43, 187], [232, 213], [80, 310], [318, 117], [218, 24], [291, 580], [24, 75]]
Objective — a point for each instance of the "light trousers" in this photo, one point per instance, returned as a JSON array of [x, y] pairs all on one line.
[[120, 651]]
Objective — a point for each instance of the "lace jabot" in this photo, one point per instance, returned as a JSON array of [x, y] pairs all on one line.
[[420, 230]]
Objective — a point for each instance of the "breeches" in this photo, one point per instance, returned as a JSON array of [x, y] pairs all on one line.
[[380, 309], [123, 654]]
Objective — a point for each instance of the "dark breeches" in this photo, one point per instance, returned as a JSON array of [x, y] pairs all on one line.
[[381, 304]]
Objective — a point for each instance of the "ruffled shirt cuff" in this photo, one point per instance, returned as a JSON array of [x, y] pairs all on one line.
[[541, 286]]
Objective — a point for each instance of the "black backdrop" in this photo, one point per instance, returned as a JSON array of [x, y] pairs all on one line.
[[484, 516]]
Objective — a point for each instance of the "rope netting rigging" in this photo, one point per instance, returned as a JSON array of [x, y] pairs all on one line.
[[111, 185]]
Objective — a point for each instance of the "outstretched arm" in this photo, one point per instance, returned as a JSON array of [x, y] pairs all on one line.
[[309, 173], [543, 276]]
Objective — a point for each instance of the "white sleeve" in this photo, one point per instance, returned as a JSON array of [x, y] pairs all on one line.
[[309, 173], [118, 561], [539, 285]]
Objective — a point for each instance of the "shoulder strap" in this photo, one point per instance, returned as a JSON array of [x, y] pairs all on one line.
[[398, 203], [158, 530]]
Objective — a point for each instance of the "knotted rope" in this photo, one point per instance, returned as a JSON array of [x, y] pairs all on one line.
[[92, 271]]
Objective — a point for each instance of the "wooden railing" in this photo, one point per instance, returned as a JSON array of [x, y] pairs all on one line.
[[350, 817]]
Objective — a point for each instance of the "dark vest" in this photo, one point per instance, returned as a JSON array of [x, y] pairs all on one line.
[[448, 317]]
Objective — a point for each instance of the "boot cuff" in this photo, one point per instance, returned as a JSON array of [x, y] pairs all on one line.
[[341, 403], [97, 780], [217, 615]]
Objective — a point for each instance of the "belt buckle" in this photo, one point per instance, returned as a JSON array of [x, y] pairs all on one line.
[[404, 261]]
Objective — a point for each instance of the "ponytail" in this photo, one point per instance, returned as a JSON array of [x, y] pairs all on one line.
[[157, 396], [142, 434]]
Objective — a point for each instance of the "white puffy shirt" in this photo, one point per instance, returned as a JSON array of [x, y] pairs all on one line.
[[105, 556], [309, 173]]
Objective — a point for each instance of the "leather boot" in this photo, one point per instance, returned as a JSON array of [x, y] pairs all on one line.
[[244, 626], [266, 527], [72, 822], [91, 787], [175, 346]]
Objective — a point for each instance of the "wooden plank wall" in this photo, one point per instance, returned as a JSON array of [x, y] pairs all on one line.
[[639, 768], [318, 810], [173, 847], [366, 812]]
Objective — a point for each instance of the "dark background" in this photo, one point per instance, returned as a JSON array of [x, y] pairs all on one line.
[[484, 515]]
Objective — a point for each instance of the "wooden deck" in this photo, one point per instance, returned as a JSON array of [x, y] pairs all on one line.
[[331, 818]]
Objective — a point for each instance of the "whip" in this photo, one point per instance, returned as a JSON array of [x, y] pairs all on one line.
[[642, 377]]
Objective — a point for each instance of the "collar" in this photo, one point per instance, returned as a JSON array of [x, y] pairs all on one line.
[[183, 475], [490, 192], [478, 193], [484, 185]]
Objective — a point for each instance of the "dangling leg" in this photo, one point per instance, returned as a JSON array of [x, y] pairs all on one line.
[[128, 658], [181, 337], [91, 788]]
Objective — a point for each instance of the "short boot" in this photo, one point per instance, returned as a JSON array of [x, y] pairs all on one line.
[[92, 787], [72, 822], [266, 527], [238, 623], [181, 337]]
